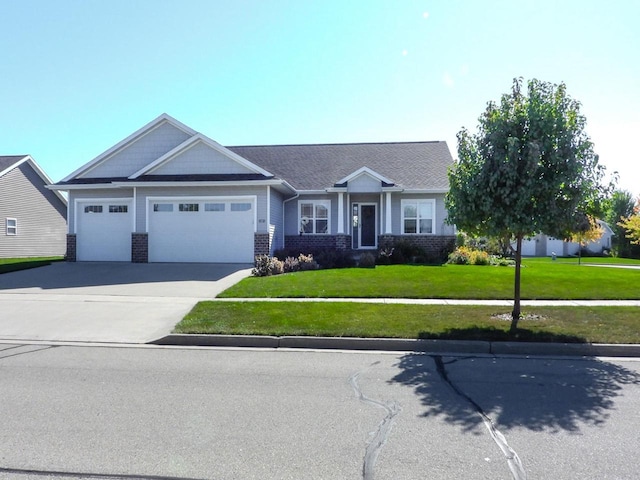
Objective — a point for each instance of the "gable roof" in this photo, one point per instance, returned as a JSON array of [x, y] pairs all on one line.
[[419, 166], [10, 162], [412, 165], [141, 132]]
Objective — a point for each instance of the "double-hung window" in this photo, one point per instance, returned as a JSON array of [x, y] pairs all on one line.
[[12, 226], [418, 216], [313, 216]]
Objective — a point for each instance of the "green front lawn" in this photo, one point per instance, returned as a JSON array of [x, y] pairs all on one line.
[[14, 264], [343, 319], [542, 278]]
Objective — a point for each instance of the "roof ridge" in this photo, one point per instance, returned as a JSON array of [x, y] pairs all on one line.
[[337, 144]]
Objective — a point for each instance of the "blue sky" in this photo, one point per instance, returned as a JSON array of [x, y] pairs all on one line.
[[78, 76]]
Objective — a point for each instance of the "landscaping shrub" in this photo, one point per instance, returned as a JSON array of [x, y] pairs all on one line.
[[335, 259], [460, 256], [367, 260], [479, 257], [265, 266], [306, 262], [291, 264]]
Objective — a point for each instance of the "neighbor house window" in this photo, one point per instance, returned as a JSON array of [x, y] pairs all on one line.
[[314, 216], [118, 209], [418, 216], [188, 207], [12, 226], [93, 209]]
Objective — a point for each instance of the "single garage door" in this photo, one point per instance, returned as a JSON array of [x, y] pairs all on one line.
[[209, 230], [103, 230]]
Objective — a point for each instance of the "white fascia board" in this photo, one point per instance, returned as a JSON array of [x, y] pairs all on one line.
[[367, 171], [336, 190], [81, 186], [393, 189], [312, 192], [426, 190], [242, 183], [148, 128], [191, 142]]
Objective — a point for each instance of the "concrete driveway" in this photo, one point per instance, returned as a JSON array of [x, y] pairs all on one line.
[[106, 302]]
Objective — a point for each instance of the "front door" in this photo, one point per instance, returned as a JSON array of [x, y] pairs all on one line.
[[364, 225]]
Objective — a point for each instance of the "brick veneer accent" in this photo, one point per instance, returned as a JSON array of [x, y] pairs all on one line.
[[432, 244], [140, 248], [309, 243], [261, 244], [71, 247]]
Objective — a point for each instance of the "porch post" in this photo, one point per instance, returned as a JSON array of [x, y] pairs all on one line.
[[387, 209], [340, 214]]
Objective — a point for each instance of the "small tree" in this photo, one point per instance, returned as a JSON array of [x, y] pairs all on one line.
[[632, 224], [530, 168], [588, 231], [618, 207]]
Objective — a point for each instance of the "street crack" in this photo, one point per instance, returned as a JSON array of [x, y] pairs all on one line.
[[380, 436], [513, 461]]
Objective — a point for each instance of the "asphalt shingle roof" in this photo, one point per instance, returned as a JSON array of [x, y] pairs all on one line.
[[412, 165], [7, 160]]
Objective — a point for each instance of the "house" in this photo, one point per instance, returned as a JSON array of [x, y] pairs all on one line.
[[167, 193], [34, 218], [545, 246]]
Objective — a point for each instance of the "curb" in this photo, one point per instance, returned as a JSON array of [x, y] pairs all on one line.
[[402, 345]]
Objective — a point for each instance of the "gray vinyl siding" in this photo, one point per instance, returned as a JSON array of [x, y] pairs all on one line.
[[143, 193], [140, 153], [201, 159], [276, 220], [40, 214]]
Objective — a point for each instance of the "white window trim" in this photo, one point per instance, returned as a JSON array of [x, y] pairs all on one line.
[[14, 227], [405, 201], [324, 203]]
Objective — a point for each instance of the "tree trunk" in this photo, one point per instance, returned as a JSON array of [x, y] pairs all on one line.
[[515, 315]]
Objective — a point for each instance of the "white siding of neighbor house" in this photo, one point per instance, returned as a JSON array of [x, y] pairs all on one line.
[[200, 159], [143, 193], [276, 226], [364, 183], [140, 153], [40, 215], [101, 193]]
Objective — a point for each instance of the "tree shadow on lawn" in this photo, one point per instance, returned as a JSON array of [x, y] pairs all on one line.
[[493, 334], [538, 394]]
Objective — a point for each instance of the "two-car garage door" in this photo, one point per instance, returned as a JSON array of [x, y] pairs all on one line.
[[210, 229], [201, 230]]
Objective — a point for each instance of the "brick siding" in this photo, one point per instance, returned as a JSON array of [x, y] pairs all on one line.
[[436, 245], [261, 244], [140, 248], [71, 247], [309, 243]]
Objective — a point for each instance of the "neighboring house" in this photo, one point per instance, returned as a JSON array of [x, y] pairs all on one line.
[[34, 218], [167, 193], [545, 246]]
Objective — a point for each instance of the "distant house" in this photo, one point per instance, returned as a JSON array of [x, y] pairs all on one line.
[[167, 193], [543, 245], [34, 218]]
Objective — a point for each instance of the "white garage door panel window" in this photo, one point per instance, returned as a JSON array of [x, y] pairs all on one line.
[[103, 231], [201, 231]]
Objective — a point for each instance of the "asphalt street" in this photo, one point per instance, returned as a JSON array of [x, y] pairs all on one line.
[[201, 413]]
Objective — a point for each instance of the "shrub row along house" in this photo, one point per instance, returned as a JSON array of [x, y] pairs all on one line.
[[167, 193], [34, 218]]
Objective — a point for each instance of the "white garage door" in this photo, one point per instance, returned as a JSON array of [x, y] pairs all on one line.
[[201, 230], [103, 230]]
